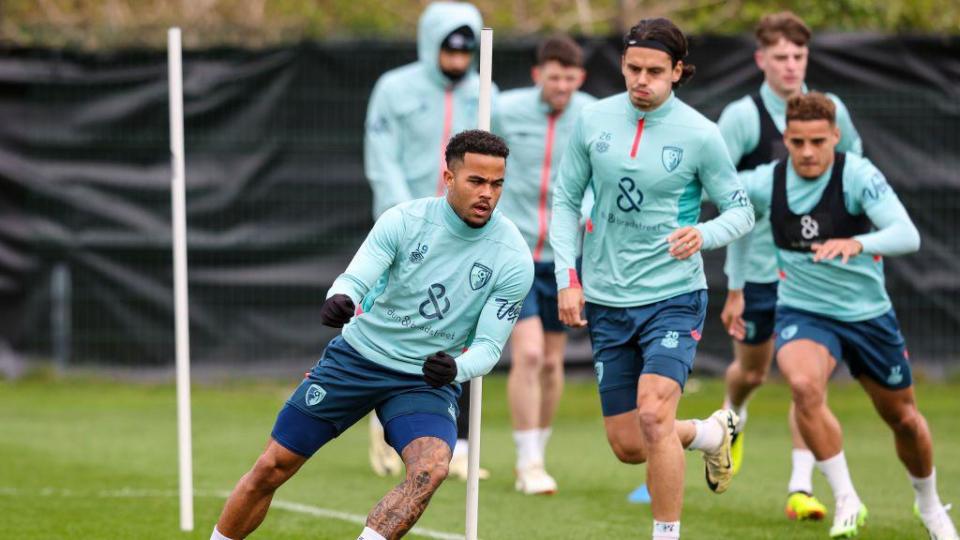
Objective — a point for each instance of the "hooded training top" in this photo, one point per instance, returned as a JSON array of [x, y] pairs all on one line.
[[739, 124], [648, 170], [536, 137], [415, 109], [847, 292], [446, 287]]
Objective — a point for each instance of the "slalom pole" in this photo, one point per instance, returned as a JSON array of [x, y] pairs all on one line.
[[181, 311], [476, 384]]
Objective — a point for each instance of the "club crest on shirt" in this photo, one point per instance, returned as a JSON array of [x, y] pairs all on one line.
[[671, 157], [479, 276]]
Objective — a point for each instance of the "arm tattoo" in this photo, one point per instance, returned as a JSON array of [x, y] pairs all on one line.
[[426, 460]]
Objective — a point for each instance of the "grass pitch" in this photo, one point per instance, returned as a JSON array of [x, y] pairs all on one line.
[[84, 458]]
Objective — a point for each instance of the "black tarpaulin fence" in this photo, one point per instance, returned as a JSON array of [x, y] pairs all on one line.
[[277, 202]]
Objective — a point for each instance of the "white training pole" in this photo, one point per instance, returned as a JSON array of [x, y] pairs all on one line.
[[181, 312], [476, 384]]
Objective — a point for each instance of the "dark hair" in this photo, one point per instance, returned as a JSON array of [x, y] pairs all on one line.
[[562, 49], [667, 34], [811, 106], [475, 141], [786, 25]]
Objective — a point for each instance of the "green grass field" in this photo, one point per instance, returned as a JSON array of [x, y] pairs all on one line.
[[94, 459]]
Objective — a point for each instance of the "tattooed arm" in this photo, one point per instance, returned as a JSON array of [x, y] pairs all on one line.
[[426, 459]]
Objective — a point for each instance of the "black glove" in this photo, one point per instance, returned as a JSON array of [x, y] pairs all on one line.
[[440, 369], [336, 311]]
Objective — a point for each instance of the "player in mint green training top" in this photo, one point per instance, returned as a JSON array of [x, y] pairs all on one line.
[[413, 111], [753, 130], [833, 218], [536, 122], [649, 156], [457, 272]]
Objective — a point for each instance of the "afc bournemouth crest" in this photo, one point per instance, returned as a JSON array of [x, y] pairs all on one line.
[[479, 276], [671, 156]]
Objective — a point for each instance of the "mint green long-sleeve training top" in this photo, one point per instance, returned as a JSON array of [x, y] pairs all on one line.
[[739, 124], [448, 287], [415, 109], [848, 292], [648, 171], [536, 137]]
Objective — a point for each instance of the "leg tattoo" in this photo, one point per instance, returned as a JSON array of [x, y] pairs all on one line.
[[426, 459]]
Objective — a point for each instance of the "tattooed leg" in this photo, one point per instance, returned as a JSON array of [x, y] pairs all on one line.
[[427, 459]]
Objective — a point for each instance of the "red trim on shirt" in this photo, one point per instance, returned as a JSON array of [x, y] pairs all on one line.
[[636, 138], [542, 210], [574, 280], [447, 122], [589, 225], [877, 258], [782, 274]]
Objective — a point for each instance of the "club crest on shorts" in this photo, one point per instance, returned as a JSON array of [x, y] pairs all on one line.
[[452, 412], [598, 368], [671, 157], [315, 394], [789, 332], [479, 276], [895, 376]]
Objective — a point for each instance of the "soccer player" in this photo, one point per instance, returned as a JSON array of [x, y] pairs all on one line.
[[833, 217], [413, 111], [649, 156], [536, 123], [752, 128], [456, 273]]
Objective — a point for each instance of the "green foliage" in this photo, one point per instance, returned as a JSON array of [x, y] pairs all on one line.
[[92, 459], [97, 24]]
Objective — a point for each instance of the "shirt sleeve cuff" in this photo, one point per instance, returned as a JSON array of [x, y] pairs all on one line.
[[567, 279]]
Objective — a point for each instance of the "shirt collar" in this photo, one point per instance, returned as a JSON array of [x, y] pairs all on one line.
[[657, 114], [776, 106], [458, 227]]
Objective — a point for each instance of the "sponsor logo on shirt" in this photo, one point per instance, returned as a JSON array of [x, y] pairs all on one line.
[[315, 394], [416, 256], [508, 310], [671, 156], [479, 276], [630, 197], [878, 186], [809, 228], [432, 308]]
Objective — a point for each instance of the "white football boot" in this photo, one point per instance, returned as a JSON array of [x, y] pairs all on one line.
[[534, 480], [718, 465]]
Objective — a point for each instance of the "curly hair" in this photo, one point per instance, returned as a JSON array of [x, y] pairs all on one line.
[[475, 141], [811, 106]]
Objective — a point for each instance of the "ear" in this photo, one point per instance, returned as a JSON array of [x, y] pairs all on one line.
[[535, 74], [581, 78], [836, 132], [677, 71], [448, 177], [758, 58]]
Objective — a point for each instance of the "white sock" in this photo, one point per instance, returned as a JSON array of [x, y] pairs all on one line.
[[928, 501], [741, 411], [370, 534], [801, 478], [216, 535], [528, 447], [461, 448], [835, 469], [544, 439], [709, 436], [666, 530]]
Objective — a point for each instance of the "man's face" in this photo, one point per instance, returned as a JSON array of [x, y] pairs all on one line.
[[649, 76], [454, 64], [474, 187], [811, 144], [558, 83], [784, 66]]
